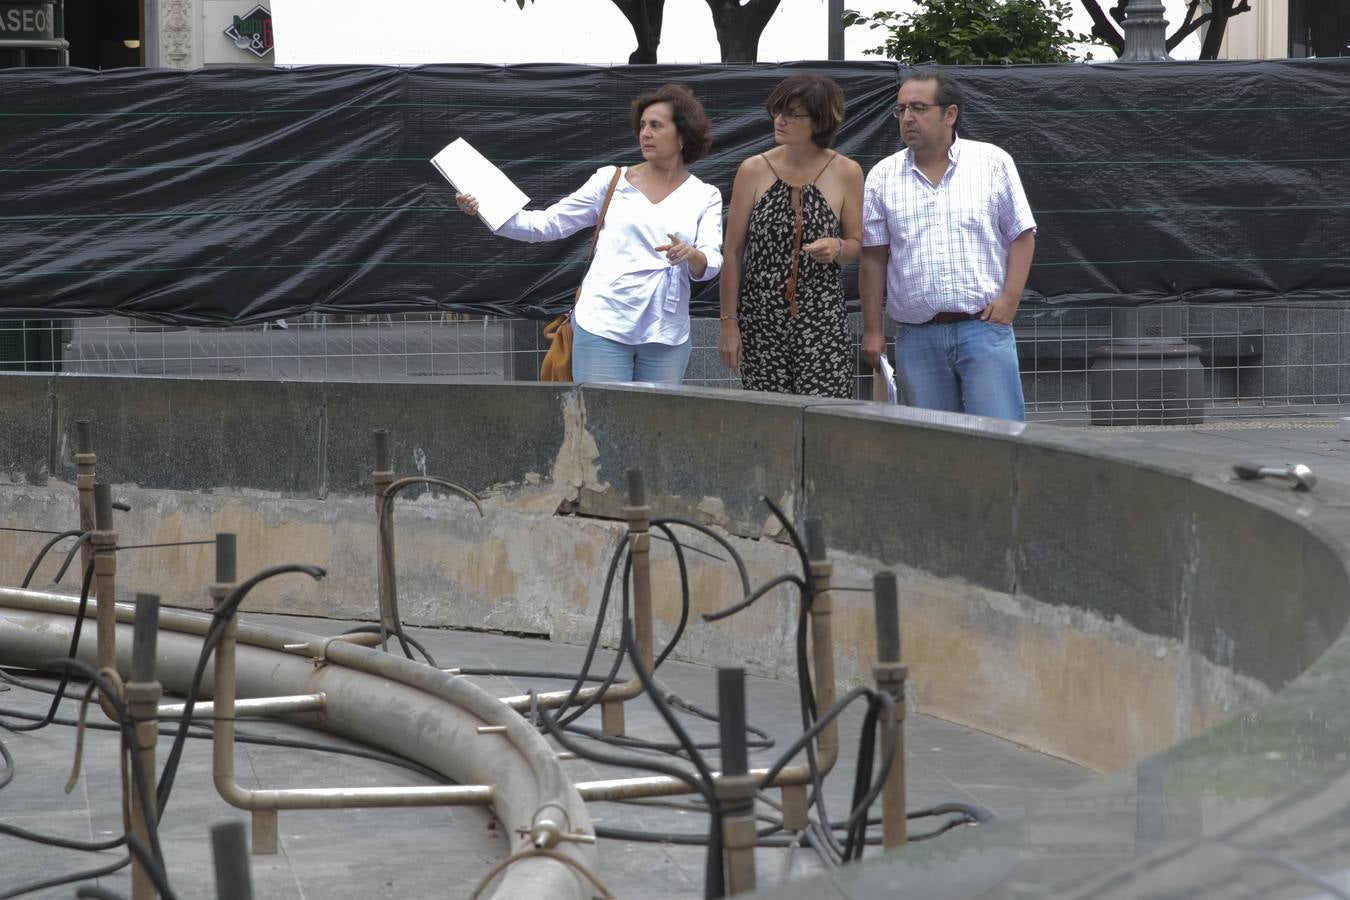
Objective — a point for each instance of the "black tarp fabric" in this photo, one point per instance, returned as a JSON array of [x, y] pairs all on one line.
[[238, 195]]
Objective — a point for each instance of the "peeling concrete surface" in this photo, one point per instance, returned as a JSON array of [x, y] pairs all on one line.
[[1001, 663]]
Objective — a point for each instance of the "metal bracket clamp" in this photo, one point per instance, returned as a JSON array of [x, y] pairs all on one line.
[[638, 518], [890, 677], [736, 789], [736, 796], [546, 831], [317, 650]]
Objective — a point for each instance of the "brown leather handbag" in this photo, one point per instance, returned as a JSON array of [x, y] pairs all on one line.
[[557, 362]]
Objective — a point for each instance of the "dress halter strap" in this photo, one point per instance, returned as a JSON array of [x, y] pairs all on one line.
[[833, 157], [765, 157]]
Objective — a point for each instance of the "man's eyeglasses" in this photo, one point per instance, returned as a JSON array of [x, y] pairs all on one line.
[[898, 111]]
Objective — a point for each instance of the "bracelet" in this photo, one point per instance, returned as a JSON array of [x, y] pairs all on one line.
[[731, 318]]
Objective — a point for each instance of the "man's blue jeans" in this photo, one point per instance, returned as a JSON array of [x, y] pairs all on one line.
[[595, 358], [968, 367]]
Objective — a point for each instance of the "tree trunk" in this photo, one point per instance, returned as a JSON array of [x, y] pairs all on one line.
[[739, 27], [1218, 24], [1102, 29], [645, 17]]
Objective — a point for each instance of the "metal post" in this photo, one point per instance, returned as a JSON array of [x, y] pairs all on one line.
[[890, 676], [229, 846], [143, 693], [638, 514], [835, 40], [822, 664], [104, 540], [223, 694], [381, 478], [85, 459], [1145, 32], [734, 788]]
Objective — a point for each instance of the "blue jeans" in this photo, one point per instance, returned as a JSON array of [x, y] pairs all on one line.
[[968, 367], [595, 358]]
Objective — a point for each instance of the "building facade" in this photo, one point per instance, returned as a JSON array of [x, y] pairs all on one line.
[[1277, 29]]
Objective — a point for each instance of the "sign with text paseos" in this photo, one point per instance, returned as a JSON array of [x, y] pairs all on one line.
[[27, 21], [252, 31]]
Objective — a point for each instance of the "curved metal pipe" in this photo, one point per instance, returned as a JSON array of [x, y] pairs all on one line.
[[376, 698]]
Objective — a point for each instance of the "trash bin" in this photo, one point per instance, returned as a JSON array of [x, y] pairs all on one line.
[[32, 345]]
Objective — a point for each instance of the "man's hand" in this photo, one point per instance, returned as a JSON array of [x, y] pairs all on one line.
[[1001, 311], [873, 345]]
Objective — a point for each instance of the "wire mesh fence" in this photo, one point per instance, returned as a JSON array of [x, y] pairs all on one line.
[[1174, 364]]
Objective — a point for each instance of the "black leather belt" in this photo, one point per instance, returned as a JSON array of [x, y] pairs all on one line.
[[946, 318]]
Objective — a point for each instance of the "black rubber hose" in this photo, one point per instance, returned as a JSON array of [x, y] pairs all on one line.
[[74, 649], [42, 554]]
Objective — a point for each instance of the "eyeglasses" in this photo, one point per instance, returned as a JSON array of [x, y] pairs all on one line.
[[898, 111], [789, 115]]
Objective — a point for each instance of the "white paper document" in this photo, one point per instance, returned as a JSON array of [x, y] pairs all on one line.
[[883, 382], [469, 172]]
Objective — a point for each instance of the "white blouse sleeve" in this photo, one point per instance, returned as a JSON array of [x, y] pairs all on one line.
[[569, 215], [708, 236]]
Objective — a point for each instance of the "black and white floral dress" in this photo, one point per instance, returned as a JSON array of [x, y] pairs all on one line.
[[794, 326]]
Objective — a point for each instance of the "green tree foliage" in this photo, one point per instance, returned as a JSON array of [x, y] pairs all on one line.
[[975, 32]]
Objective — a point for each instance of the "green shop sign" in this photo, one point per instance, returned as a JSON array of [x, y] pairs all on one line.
[[27, 21]]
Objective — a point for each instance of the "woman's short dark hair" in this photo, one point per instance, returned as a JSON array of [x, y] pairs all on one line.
[[690, 119], [820, 98]]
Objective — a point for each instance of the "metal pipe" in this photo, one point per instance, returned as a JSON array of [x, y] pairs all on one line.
[[371, 696], [58, 44], [85, 461], [143, 693], [104, 541], [229, 848], [380, 478], [261, 706], [273, 640], [834, 29], [822, 640], [890, 676], [794, 779], [734, 788]]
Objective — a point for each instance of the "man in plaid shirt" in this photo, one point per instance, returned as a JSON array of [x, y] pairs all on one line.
[[948, 238]]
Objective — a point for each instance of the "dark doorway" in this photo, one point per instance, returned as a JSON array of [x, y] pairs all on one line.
[[1319, 28], [99, 32]]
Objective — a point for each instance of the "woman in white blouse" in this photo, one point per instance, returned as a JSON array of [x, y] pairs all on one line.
[[663, 228]]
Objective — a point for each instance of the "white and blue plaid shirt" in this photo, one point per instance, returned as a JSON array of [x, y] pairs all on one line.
[[949, 241]]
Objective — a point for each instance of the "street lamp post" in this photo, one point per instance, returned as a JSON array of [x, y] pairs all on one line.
[[1145, 32], [835, 29], [1146, 374]]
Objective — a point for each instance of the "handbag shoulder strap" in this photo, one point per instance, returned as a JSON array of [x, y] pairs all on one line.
[[599, 223], [604, 207]]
